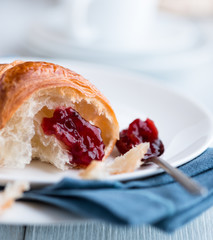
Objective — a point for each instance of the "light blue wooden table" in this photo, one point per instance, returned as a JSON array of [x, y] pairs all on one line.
[[199, 229]]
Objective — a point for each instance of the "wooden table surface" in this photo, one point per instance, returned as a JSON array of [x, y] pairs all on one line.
[[200, 228]]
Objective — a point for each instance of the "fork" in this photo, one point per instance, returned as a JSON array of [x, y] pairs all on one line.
[[188, 183]]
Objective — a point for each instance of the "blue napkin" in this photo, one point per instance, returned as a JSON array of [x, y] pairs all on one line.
[[158, 200]]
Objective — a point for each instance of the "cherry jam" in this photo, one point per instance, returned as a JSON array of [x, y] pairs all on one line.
[[141, 131], [82, 139]]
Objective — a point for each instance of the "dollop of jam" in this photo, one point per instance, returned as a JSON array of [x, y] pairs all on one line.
[[141, 131], [82, 139]]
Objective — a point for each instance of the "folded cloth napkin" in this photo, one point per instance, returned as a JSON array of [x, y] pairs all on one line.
[[157, 200]]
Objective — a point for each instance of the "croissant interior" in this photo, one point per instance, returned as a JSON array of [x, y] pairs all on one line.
[[23, 139]]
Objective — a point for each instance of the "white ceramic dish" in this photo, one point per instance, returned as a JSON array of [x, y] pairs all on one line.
[[174, 43], [185, 127], [171, 34]]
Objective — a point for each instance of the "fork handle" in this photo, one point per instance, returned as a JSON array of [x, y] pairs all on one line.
[[189, 184]]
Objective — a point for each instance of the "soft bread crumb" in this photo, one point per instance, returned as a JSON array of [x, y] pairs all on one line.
[[130, 161], [126, 163], [12, 192], [23, 139], [95, 170]]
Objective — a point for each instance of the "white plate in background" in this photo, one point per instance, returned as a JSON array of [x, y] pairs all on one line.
[[169, 35], [174, 43]]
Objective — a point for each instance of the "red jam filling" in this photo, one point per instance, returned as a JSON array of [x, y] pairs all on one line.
[[82, 139], [141, 131]]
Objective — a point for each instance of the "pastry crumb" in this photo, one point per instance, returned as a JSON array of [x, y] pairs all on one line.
[[126, 163], [95, 170], [12, 191]]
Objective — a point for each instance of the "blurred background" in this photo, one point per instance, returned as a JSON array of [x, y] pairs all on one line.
[[170, 40]]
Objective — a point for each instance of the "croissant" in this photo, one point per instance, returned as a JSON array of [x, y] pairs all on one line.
[[31, 95]]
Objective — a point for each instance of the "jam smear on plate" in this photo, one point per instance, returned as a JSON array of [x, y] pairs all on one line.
[[82, 139], [141, 131]]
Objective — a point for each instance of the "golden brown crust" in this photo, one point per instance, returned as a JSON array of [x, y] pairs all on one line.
[[19, 80]]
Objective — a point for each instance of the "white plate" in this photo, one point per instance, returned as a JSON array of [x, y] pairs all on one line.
[[170, 34], [185, 127], [173, 43]]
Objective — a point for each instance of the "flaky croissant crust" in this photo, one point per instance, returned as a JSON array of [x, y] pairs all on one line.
[[19, 80], [30, 91]]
